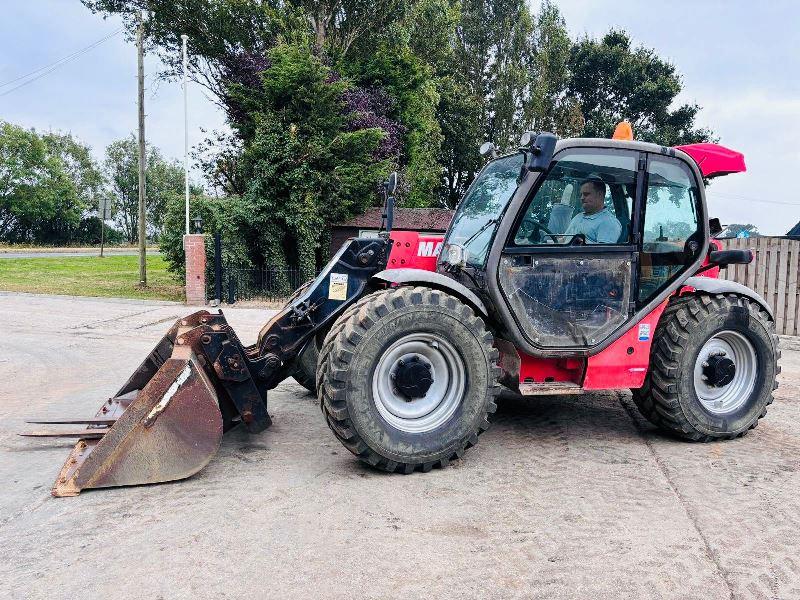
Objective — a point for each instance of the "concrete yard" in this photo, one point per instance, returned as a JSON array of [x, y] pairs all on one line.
[[564, 497]]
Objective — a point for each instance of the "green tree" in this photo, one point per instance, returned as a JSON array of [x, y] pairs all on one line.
[[30, 182], [304, 166], [612, 81], [393, 68], [548, 107], [230, 215], [48, 185], [162, 178], [734, 229], [231, 41], [436, 77]]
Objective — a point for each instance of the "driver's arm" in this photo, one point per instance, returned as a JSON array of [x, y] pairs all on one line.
[[609, 231], [575, 225]]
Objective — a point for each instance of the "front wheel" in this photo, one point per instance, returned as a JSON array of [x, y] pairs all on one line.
[[408, 379], [713, 367]]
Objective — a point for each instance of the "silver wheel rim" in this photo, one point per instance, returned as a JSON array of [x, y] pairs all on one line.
[[442, 398], [727, 398]]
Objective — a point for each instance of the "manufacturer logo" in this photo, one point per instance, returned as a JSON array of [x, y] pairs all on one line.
[[429, 248]]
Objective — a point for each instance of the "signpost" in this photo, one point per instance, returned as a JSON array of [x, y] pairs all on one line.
[[105, 215]]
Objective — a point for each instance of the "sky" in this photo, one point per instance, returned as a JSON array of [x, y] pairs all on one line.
[[739, 60]]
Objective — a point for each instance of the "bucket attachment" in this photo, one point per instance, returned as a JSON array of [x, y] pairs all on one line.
[[166, 422]]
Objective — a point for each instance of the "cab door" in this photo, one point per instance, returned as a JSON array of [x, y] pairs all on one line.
[[672, 232], [569, 265]]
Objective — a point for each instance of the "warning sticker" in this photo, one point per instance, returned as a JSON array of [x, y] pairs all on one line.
[[337, 290], [644, 332]]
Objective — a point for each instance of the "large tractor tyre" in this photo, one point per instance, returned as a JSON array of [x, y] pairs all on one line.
[[408, 378], [333, 332], [306, 371], [713, 367]]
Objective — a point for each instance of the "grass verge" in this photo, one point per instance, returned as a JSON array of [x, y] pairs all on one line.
[[111, 276]]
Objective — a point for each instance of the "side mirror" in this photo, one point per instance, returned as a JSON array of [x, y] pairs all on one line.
[[541, 152], [391, 184], [389, 187]]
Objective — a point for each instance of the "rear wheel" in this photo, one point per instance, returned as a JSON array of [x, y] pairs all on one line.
[[713, 366], [407, 379]]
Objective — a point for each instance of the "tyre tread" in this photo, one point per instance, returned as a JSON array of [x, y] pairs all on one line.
[[340, 346], [657, 400]]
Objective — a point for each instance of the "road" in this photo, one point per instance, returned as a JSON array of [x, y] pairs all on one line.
[[563, 497], [22, 254]]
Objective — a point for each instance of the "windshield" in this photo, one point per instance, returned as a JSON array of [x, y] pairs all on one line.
[[479, 212]]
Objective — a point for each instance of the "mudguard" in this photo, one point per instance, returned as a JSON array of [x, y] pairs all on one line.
[[435, 280], [712, 285]]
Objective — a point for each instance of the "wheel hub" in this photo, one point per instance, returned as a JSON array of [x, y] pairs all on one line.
[[725, 372], [413, 378], [718, 370], [418, 382]]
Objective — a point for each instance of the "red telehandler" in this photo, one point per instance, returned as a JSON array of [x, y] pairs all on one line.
[[570, 265]]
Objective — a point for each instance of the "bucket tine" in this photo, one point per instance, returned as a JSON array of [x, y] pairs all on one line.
[[84, 434], [107, 422]]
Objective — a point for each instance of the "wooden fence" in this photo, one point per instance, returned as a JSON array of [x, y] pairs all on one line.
[[773, 274]]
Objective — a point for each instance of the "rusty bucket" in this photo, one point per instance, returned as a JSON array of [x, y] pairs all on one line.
[[164, 424]]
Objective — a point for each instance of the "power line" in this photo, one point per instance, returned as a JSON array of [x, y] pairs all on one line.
[[749, 199], [47, 69]]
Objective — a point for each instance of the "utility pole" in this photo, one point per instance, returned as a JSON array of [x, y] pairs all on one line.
[[142, 221], [185, 37]]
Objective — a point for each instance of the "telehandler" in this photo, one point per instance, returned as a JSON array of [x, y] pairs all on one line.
[[570, 265]]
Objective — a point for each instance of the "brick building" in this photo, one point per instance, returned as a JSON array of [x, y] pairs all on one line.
[[423, 220]]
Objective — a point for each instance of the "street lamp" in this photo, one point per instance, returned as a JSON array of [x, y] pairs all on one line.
[[198, 224]]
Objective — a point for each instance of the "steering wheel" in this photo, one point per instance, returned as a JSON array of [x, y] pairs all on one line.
[[534, 230]]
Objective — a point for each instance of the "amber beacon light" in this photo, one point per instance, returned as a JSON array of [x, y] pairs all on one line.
[[623, 131]]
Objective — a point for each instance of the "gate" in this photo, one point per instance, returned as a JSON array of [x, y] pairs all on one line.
[[231, 283]]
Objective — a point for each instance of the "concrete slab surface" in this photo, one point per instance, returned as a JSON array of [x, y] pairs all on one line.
[[564, 497]]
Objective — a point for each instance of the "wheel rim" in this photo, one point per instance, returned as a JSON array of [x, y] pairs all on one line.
[[722, 399], [442, 398]]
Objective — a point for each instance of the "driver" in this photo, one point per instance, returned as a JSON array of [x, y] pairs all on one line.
[[596, 222]]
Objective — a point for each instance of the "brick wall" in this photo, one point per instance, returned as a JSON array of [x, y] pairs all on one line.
[[195, 248]]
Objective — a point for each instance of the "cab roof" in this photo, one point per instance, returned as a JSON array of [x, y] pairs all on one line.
[[712, 160]]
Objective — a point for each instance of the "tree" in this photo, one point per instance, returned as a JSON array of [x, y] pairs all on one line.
[[434, 78], [48, 186], [739, 230], [72, 212], [305, 166], [231, 42], [611, 81], [122, 172], [549, 108], [392, 69], [230, 215]]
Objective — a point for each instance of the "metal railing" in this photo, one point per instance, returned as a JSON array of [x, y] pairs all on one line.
[[266, 283]]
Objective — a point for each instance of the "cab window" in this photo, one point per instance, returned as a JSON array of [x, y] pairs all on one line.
[[479, 212], [586, 198], [671, 232]]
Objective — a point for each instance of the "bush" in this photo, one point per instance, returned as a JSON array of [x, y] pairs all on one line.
[[229, 215]]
